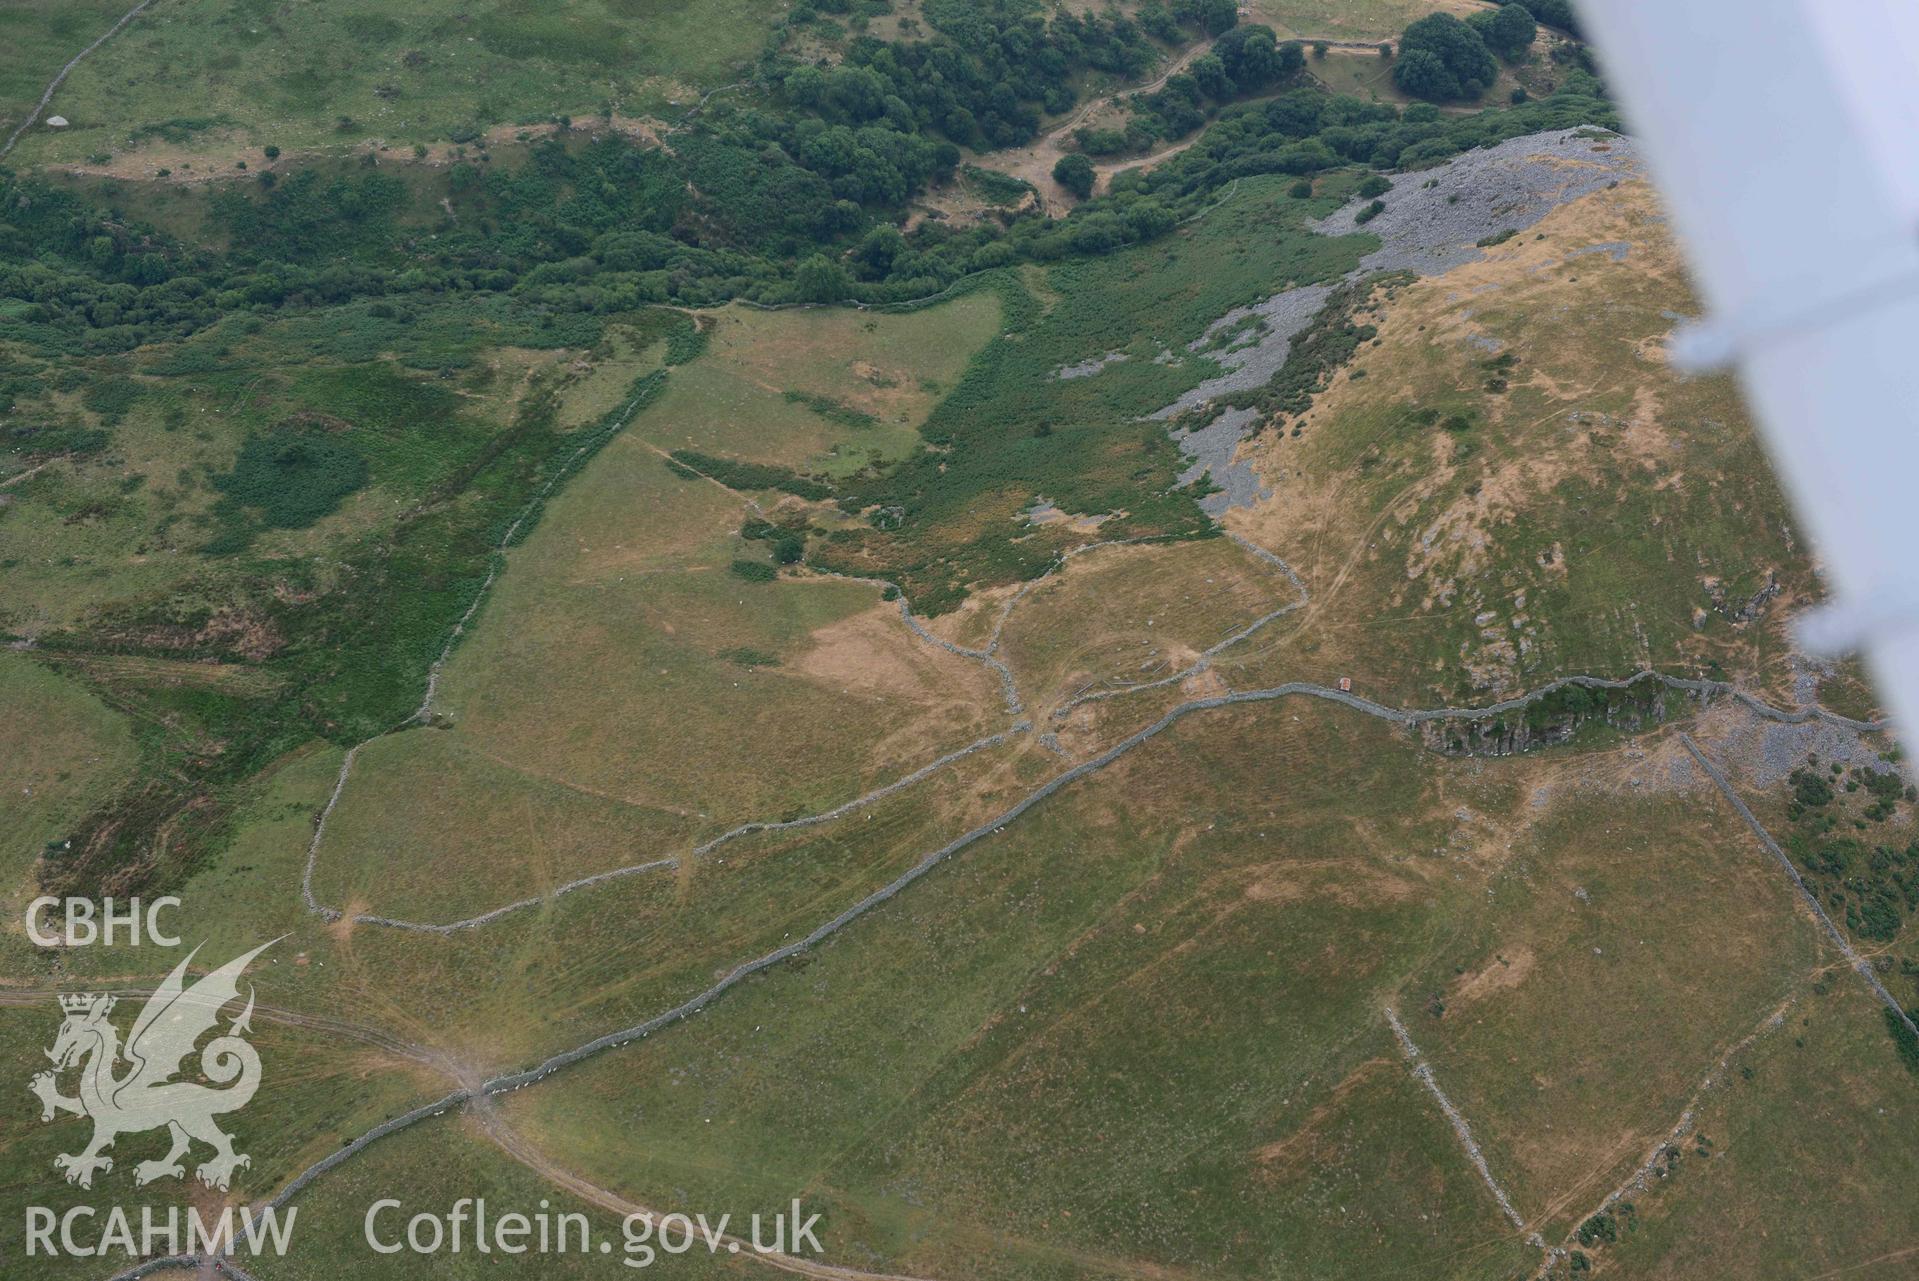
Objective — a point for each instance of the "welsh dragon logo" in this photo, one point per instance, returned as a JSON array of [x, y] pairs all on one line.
[[144, 1096]]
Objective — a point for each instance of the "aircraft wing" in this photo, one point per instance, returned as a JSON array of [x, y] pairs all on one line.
[[1784, 135]]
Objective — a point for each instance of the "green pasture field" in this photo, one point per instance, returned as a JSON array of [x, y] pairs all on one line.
[[1359, 73], [646, 698], [39, 36], [826, 391], [63, 747], [619, 657], [541, 980], [891, 367], [602, 381], [490, 834], [1011, 431], [206, 78], [1807, 1159], [1349, 19]]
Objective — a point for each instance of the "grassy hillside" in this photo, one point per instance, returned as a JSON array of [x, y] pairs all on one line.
[[1507, 481], [810, 663], [215, 80]]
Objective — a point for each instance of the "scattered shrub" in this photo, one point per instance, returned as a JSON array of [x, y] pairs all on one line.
[[753, 571]]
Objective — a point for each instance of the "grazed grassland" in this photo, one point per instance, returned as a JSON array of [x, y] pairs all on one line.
[[1216, 924], [206, 79], [621, 664], [1796, 1161], [326, 1084], [1349, 20], [62, 747], [40, 36], [1162, 937], [1123, 616], [1548, 1018]]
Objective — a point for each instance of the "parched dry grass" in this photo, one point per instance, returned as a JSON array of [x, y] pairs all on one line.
[[1624, 943], [1597, 514], [1140, 1021], [1121, 616]]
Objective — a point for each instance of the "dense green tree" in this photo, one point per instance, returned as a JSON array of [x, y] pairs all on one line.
[[879, 249], [820, 279], [1554, 13], [1158, 22], [1247, 59], [806, 86], [1420, 73], [1251, 56], [763, 199], [856, 93], [1075, 173], [1210, 74], [1459, 65], [1508, 31], [1219, 16], [1146, 219]]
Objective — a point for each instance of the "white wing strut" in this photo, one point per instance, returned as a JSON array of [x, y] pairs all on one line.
[[1784, 135]]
